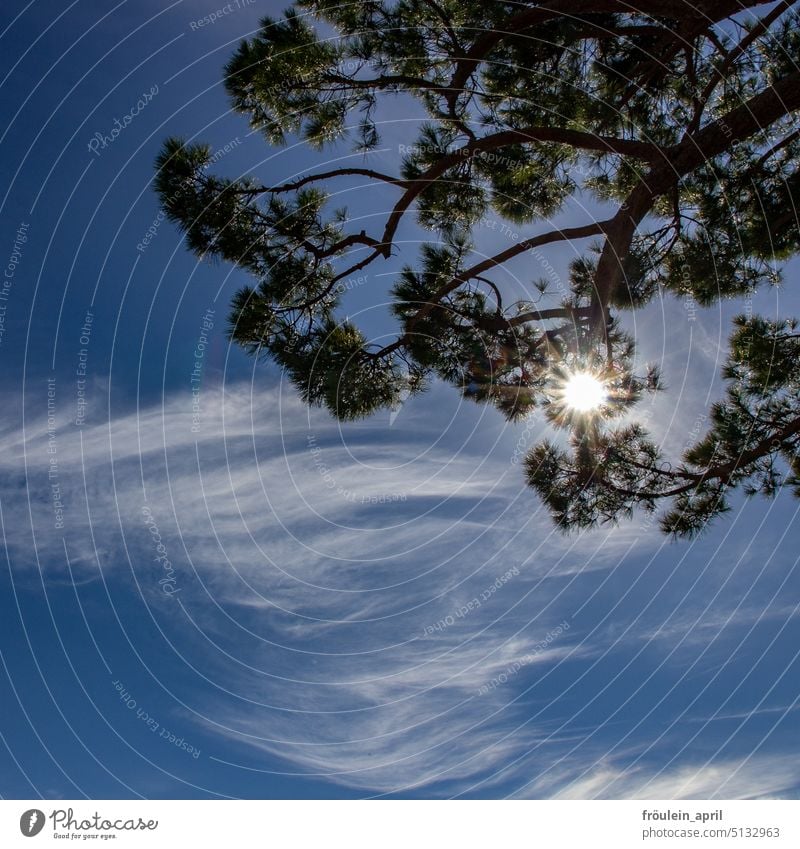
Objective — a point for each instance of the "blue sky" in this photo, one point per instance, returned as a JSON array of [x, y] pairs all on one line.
[[379, 608]]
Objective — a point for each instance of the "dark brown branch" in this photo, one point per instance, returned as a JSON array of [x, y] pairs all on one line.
[[493, 286], [573, 138], [583, 232], [385, 81], [546, 315], [776, 148], [323, 175], [337, 172], [353, 239], [596, 228], [359, 265], [768, 445]]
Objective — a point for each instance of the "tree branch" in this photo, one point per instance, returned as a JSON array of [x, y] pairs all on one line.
[[571, 9], [477, 269], [768, 445], [738, 124], [573, 138], [732, 55], [324, 175]]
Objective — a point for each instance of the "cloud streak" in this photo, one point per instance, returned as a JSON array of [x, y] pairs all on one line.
[[310, 564]]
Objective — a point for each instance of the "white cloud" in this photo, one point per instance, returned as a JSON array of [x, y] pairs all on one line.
[[760, 776], [324, 609]]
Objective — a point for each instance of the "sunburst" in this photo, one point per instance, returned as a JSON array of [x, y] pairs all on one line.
[[583, 392]]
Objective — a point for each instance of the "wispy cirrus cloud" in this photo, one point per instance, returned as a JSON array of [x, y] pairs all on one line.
[[758, 777], [374, 604]]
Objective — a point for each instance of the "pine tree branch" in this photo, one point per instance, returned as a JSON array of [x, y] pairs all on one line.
[[526, 135], [325, 175], [721, 72], [740, 123], [706, 12], [471, 273], [765, 447]]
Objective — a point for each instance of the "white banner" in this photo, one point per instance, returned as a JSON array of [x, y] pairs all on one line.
[[403, 824]]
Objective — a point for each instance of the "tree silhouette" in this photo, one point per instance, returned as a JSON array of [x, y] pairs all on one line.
[[677, 118]]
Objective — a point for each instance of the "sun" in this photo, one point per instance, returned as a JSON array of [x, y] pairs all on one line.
[[583, 392]]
